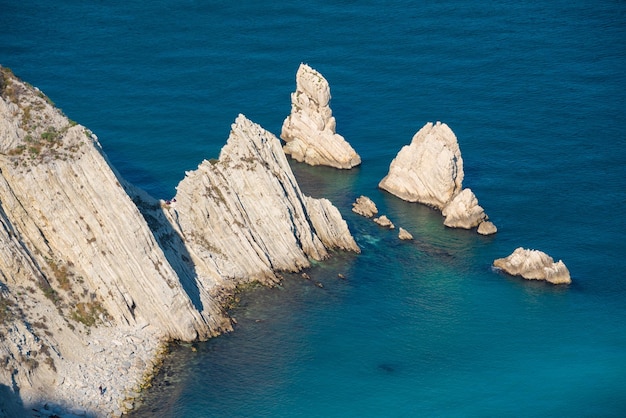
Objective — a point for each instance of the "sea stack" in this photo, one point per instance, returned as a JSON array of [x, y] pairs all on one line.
[[244, 215], [309, 131], [95, 274], [534, 265], [430, 171]]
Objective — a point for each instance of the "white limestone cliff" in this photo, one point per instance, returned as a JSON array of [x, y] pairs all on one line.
[[248, 202], [430, 171], [309, 131], [534, 265], [95, 274]]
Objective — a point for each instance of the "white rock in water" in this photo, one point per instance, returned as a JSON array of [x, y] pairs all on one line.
[[364, 206], [383, 220], [487, 228], [534, 265], [403, 234], [429, 170], [309, 131]]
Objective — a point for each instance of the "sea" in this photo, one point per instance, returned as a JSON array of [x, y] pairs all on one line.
[[535, 92]]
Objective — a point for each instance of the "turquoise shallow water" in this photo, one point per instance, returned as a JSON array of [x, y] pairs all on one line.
[[535, 92]]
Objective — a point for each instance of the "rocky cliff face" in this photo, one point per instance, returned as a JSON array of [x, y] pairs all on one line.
[[430, 171], [244, 216], [309, 131], [89, 264]]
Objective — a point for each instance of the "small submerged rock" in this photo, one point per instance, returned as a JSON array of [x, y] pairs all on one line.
[[534, 265]]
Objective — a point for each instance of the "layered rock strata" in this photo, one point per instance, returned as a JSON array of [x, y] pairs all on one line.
[[534, 265], [249, 203], [310, 130], [95, 274], [430, 171]]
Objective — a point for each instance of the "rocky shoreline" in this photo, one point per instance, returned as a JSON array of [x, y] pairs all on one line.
[[96, 276]]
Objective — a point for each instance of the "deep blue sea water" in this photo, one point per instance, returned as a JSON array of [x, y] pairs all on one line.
[[536, 94]]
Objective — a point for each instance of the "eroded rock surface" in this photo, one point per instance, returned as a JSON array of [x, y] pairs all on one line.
[[249, 203], [364, 206], [430, 171], [534, 265], [310, 130], [95, 274]]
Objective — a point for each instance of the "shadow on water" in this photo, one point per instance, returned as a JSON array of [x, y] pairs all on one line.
[[11, 405]]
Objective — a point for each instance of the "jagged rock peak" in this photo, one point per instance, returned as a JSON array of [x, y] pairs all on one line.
[[244, 216], [430, 171], [534, 265], [384, 221], [309, 131]]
